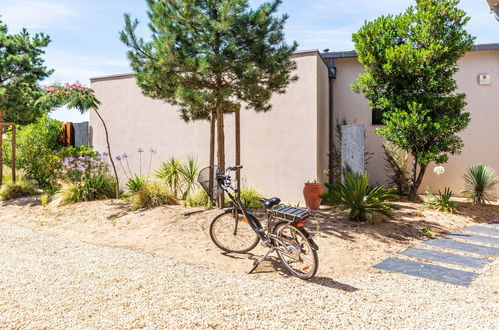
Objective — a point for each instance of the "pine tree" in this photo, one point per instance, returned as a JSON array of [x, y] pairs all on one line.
[[21, 69], [209, 56]]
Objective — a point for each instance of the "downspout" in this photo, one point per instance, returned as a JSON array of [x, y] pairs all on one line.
[[332, 75]]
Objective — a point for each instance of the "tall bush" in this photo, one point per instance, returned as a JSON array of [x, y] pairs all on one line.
[[410, 63], [38, 144]]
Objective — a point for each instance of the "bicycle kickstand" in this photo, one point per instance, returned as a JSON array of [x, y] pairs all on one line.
[[257, 262]]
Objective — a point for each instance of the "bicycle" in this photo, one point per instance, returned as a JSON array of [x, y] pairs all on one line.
[[235, 230]]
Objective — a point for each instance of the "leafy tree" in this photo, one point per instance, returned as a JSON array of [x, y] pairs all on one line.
[[79, 97], [410, 60], [208, 56]]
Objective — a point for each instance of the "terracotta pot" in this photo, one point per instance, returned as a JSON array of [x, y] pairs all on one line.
[[311, 192]]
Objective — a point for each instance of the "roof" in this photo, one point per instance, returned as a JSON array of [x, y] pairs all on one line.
[[353, 53], [327, 55]]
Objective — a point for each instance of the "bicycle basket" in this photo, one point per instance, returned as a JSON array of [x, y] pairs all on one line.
[[211, 187]]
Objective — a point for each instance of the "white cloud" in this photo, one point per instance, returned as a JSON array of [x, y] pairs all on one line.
[[37, 14]]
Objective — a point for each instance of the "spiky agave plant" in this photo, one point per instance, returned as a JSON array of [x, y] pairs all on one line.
[[479, 183], [364, 201]]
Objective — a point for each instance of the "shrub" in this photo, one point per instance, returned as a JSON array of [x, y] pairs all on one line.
[[364, 201], [97, 186], [198, 198], [37, 145], [250, 197], [189, 171], [152, 195], [442, 202], [479, 182], [76, 169], [397, 168], [135, 183], [21, 188], [171, 174]]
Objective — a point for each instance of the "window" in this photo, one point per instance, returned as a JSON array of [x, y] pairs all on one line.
[[377, 117]]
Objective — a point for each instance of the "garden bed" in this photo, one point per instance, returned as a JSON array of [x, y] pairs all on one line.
[[345, 247]]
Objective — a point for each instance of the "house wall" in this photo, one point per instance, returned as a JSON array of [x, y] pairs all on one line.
[[480, 138], [279, 148]]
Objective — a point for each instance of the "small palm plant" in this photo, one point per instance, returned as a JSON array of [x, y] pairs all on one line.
[[189, 172], [170, 172], [442, 202], [479, 183], [364, 201]]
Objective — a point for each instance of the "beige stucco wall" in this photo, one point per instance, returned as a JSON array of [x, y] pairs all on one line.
[[279, 148], [481, 138]]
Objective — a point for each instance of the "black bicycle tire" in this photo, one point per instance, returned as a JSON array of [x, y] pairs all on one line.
[[314, 253], [214, 240]]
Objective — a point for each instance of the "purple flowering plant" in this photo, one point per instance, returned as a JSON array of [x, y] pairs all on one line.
[[77, 169]]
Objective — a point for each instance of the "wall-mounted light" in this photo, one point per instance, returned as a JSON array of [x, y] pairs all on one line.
[[484, 79], [494, 8]]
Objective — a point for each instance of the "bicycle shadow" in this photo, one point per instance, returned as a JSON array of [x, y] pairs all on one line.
[[273, 264]]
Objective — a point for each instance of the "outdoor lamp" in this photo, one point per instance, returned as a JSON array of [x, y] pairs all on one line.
[[494, 8]]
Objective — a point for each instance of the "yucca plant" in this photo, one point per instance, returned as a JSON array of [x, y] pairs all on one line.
[[479, 183], [442, 202], [189, 172], [170, 172], [136, 182], [364, 201]]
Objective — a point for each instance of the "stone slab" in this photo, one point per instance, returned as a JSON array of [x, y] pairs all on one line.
[[474, 238], [460, 246], [483, 230], [429, 271], [448, 258], [352, 147]]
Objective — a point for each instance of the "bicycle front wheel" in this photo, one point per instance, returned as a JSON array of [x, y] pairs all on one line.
[[295, 251], [233, 234]]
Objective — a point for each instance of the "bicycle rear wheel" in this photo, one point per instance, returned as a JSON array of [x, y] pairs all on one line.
[[233, 235], [295, 251]]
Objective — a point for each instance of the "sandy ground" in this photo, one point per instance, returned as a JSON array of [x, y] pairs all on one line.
[[48, 282], [345, 247]]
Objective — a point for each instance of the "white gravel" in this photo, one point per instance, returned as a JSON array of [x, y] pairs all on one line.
[[58, 283]]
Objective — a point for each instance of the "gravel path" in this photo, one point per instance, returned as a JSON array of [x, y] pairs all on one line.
[[53, 282]]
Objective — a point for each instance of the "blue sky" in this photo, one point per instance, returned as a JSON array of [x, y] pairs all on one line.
[[85, 39]]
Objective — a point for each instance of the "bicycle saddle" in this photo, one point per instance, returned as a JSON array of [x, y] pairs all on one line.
[[269, 203]]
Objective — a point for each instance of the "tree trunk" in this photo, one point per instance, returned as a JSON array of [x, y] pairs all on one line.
[[238, 147], [417, 179], [213, 121], [1, 148], [117, 186], [221, 148]]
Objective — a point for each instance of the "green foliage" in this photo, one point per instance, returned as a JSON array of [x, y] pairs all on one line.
[[250, 197], [171, 174], [442, 202], [38, 144], [21, 68], [97, 186], [79, 151], [211, 55], [410, 62], [364, 201], [152, 195], [135, 183], [21, 188], [479, 183], [198, 198], [397, 168], [189, 171], [73, 96], [428, 233]]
